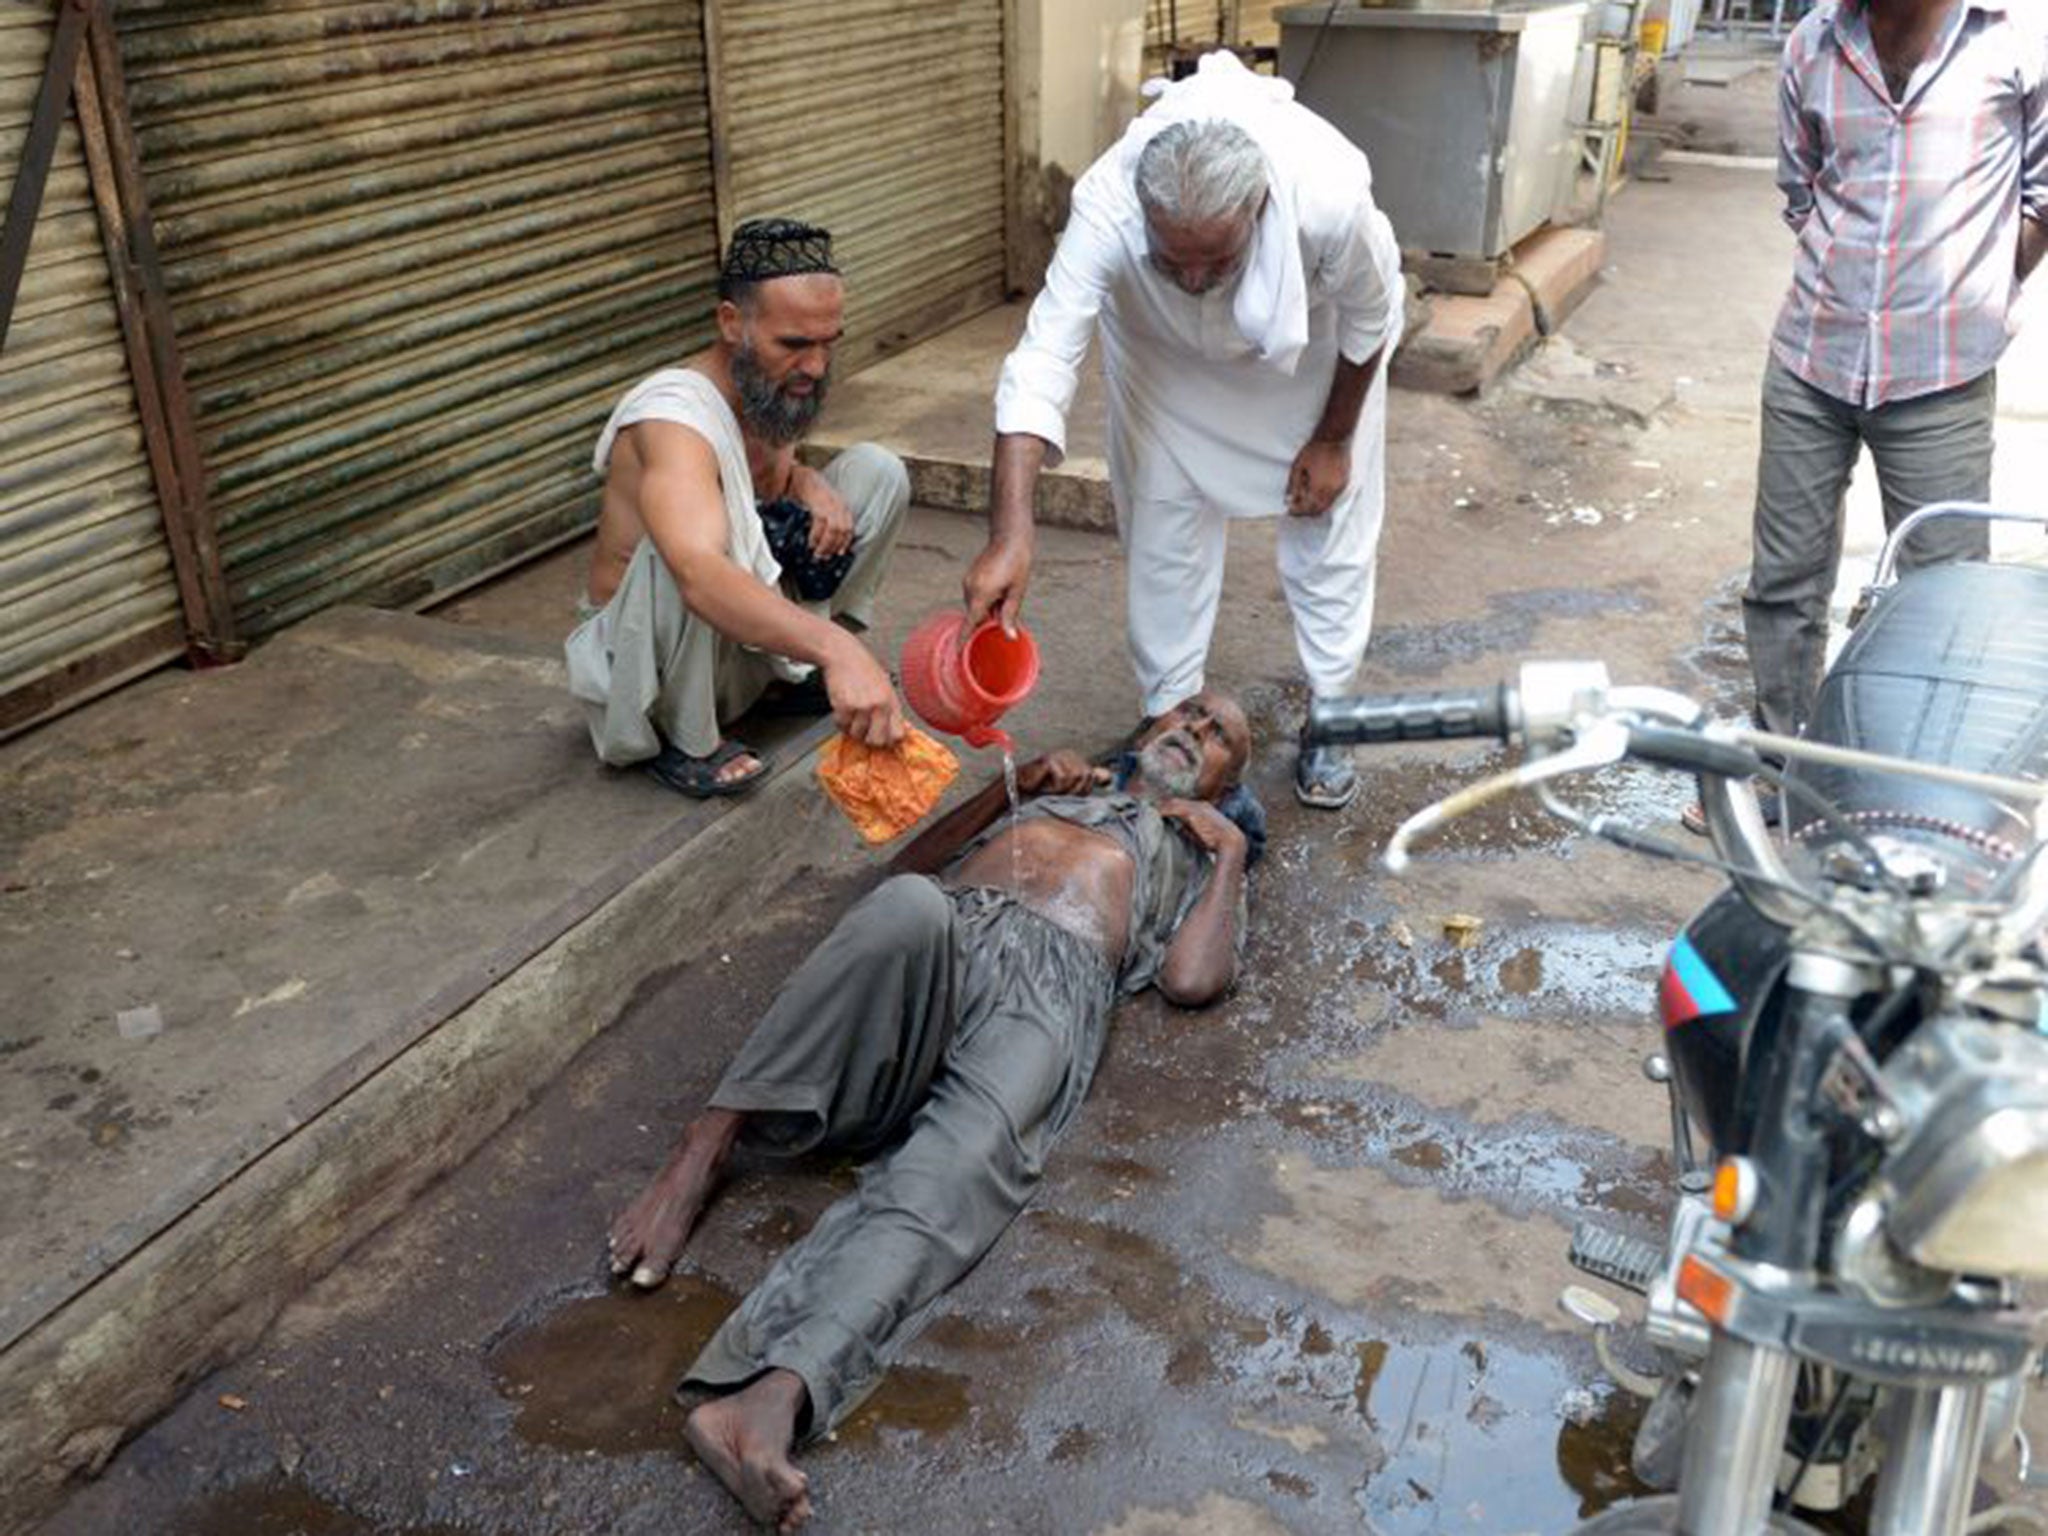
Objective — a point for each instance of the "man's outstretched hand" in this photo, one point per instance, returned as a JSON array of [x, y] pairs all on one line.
[[1060, 773], [995, 583], [863, 701]]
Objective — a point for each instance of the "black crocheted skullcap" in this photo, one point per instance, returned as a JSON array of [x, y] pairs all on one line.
[[762, 249]]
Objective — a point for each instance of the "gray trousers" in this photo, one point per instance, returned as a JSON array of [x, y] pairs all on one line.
[[648, 670], [1933, 448], [958, 1031]]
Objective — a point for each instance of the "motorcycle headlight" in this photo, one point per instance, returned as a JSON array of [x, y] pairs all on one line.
[[1968, 1183]]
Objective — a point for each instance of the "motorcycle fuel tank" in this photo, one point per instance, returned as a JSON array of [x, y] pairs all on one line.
[[1721, 969]]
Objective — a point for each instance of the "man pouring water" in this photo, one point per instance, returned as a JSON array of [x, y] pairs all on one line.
[[1247, 292]]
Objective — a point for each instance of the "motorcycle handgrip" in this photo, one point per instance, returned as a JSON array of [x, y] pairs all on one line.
[[1437, 715], [1669, 747]]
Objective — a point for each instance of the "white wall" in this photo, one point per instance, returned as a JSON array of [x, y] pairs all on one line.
[[1090, 55]]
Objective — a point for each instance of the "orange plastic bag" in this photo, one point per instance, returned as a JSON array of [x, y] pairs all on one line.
[[886, 790]]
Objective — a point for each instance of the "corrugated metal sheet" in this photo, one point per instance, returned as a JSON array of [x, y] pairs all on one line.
[[87, 590], [414, 250], [883, 121]]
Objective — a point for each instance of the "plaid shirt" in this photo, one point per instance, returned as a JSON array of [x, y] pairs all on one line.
[[1908, 212]]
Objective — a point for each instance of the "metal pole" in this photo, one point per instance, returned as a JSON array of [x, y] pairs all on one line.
[[1733, 1442], [1932, 1443], [155, 363], [38, 149]]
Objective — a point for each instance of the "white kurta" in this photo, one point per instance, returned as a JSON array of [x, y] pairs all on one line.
[[1211, 397]]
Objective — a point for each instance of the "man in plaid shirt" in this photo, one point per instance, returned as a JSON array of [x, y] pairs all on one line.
[[1913, 155]]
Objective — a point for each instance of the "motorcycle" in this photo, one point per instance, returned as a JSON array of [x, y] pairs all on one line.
[[1858, 1029]]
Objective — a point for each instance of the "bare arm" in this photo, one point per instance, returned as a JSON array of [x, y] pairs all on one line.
[[1201, 962], [1322, 468], [683, 510], [1347, 398], [2033, 245]]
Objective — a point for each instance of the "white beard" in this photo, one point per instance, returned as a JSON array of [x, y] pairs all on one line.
[[1171, 773]]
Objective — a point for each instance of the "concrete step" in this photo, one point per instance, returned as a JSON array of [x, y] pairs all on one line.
[[1467, 342]]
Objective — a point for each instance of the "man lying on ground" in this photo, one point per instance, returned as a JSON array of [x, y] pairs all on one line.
[[949, 1024]]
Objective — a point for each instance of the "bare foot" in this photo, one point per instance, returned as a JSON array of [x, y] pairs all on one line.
[[744, 1440], [646, 1239]]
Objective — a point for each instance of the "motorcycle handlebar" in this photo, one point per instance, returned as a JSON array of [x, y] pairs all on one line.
[[1434, 715]]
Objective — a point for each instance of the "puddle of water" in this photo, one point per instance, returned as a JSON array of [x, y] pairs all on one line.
[[1471, 1436], [599, 1372], [1578, 970], [276, 1508], [1525, 1163], [1521, 974], [912, 1399]]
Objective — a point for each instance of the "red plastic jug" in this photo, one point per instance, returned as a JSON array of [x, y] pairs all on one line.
[[963, 686]]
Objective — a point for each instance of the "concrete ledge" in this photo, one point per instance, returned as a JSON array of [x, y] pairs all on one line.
[[1066, 498], [1559, 267], [1469, 342]]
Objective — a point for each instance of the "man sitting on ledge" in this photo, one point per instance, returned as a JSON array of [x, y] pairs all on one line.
[[722, 563], [950, 1025]]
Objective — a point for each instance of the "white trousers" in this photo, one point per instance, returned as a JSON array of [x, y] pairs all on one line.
[[1175, 541]]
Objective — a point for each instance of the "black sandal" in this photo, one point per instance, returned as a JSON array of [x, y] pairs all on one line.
[[698, 777], [1325, 777]]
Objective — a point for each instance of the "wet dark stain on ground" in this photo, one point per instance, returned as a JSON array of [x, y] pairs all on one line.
[[1521, 1165], [1507, 629], [1151, 1287], [1287, 1483], [598, 1373], [957, 1331], [1076, 1443], [1533, 967], [274, 1507], [1717, 670], [912, 1399]]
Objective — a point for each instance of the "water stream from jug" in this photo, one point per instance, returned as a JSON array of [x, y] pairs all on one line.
[[1016, 848]]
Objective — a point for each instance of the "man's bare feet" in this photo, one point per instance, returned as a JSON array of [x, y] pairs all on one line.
[[744, 1439], [646, 1239]]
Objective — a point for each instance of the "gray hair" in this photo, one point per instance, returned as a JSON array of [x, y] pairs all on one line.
[[1195, 172]]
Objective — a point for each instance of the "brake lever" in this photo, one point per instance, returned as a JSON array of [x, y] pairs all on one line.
[[1600, 745]]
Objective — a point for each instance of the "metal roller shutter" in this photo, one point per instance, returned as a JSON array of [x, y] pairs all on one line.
[[88, 594], [414, 250], [883, 121]]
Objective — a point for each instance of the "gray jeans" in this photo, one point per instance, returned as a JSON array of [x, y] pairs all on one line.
[[1933, 448]]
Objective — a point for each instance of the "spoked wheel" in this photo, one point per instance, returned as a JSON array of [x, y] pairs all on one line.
[[1659, 1517]]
